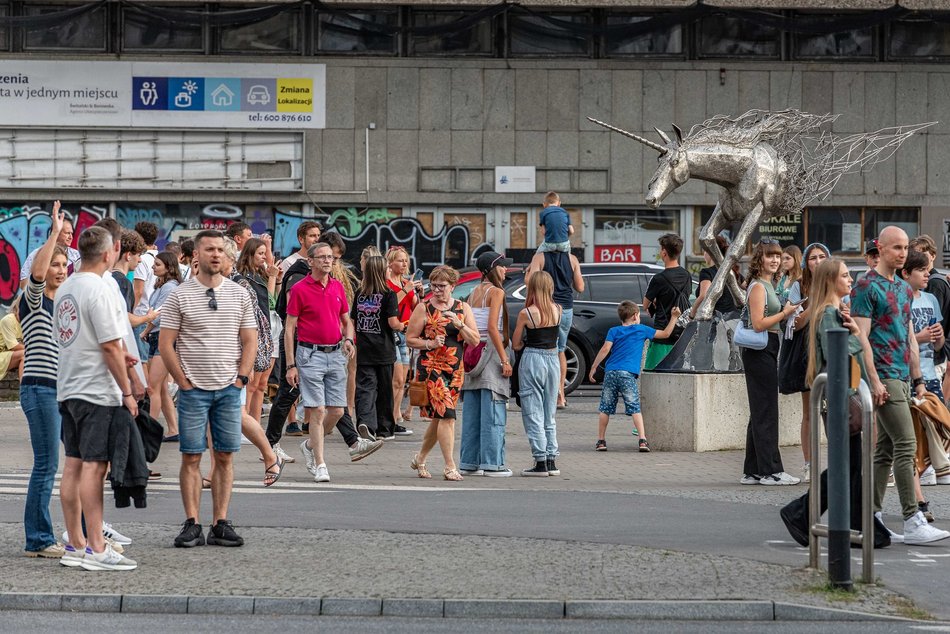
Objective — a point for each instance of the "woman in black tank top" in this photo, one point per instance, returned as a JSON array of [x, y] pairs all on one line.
[[539, 372]]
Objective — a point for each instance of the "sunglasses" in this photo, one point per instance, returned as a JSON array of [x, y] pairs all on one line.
[[212, 302], [768, 241]]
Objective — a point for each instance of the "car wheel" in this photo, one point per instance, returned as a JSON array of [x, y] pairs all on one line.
[[576, 367]]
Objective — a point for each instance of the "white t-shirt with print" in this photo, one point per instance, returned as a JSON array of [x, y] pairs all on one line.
[[87, 312], [145, 273]]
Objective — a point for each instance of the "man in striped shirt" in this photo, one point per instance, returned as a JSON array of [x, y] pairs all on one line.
[[208, 342]]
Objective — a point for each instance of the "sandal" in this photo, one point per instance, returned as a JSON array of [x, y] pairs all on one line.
[[406, 418], [420, 467], [205, 483], [271, 478], [452, 475]]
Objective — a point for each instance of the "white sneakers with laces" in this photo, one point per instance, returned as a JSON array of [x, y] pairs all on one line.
[[322, 474], [779, 479], [283, 455], [929, 477], [918, 531], [108, 559], [308, 457]]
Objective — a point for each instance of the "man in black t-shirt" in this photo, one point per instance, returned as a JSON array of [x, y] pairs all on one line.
[[669, 288], [376, 317]]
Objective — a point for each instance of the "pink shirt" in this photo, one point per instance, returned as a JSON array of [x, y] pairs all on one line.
[[318, 309]]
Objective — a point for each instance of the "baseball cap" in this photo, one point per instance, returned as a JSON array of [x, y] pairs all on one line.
[[871, 247], [489, 260]]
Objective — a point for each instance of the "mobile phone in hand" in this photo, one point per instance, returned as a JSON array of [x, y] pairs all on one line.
[[417, 276], [799, 302]]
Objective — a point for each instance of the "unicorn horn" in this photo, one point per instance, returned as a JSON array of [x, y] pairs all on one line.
[[656, 146]]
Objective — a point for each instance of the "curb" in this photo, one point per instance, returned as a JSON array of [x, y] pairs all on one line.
[[711, 610]]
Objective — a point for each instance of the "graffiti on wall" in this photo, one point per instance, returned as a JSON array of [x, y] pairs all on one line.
[[179, 221], [426, 250]]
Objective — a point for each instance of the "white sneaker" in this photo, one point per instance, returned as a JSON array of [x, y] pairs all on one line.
[[748, 478], [779, 479], [918, 531], [943, 479], [472, 472], [116, 546], [363, 448], [895, 537], [322, 474], [110, 533], [929, 477], [308, 457], [806, 472], [364, 432], [283, 455], [108, 559], [72, 558]]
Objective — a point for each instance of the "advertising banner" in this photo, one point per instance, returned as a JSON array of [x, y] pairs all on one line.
[[162, 95]]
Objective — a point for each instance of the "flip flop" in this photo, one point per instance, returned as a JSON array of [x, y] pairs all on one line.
[[205, 483], [271, 478]]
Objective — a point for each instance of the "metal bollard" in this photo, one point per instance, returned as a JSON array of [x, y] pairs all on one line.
[[839, 495]]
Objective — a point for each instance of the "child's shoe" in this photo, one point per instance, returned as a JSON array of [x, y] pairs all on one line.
[[644, 446], [601, 445]]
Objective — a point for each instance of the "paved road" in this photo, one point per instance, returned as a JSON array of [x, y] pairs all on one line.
[[621, 513]]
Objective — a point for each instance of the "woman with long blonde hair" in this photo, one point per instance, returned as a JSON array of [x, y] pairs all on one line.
[[407, 294], [539, 372]]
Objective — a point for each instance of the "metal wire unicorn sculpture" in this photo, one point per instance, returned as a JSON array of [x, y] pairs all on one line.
[[769, 163]]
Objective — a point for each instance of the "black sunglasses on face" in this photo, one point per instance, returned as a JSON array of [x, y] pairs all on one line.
[[212, 302]]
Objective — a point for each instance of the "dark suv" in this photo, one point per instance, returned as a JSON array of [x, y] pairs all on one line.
[[595, 310]]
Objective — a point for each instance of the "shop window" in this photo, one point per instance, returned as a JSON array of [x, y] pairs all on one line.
[[144, 32], [726, 36], [473, 39], [630, 235], [918, 38], [845, 229], [875, 219], [84, 32], [664, 40], [357, 32], [278, 34], [854, 43], [535, 35]]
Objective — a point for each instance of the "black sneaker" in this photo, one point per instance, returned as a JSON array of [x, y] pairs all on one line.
[[190, 535], [540, 469], [402, 431], [293, 429], [222, 534], [552, 468], [601, 445], [644, 446], [305, 428]]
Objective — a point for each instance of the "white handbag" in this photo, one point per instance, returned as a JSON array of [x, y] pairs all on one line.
[[746, 336]]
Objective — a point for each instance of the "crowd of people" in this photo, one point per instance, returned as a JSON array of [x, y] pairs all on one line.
[[120, 331]]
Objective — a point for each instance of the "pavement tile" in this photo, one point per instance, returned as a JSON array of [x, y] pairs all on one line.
[[92, 603], [334, 606], [413, 607], [299, 605], [515, 608], [155, 604], [30, 601], [672, 610], [220, 605]]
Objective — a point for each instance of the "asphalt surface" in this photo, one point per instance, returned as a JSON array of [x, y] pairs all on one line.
[[614, 525]]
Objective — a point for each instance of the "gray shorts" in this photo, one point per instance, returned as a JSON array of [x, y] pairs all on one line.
[[322, 377]]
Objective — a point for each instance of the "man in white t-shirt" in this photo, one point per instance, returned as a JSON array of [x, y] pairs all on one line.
[[308, 234], [65, 238], [93, 388], [143, 280]]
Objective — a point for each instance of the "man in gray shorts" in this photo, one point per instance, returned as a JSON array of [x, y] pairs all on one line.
[[318, 322]]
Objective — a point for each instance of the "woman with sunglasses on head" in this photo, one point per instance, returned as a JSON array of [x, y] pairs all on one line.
[[438, 328], [407, 294], [794, 356], [763, 461]]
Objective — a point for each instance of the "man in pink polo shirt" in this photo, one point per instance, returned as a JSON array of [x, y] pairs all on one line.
[[318, 321]]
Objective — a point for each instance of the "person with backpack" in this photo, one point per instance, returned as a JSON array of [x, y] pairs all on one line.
[[668, 289]]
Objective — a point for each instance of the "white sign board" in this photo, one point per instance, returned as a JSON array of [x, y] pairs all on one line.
[[851, 237], [515, 179], [162, 95]]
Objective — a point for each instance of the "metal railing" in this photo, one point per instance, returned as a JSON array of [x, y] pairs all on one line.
[[817, 530]]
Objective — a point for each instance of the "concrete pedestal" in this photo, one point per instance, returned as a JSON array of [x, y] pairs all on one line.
[[706, 412]]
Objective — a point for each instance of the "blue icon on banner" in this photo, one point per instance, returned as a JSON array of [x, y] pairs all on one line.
[[222, 93], [149, 93], [186, 93]]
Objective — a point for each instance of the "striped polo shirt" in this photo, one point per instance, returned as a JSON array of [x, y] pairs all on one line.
[[41, 355], [209, 340]]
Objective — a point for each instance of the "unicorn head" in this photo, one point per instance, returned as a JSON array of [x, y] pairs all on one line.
[[673, 169]]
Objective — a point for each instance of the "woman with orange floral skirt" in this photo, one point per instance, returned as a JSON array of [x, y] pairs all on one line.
[[437, 328]]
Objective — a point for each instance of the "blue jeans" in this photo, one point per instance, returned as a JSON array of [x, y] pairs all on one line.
[[143, 345], [483, 431], [42, 416], [567, 318], [221, 408], [539, 375]]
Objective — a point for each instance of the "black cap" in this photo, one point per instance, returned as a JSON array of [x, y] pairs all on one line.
[[489, 260], [870, 247]]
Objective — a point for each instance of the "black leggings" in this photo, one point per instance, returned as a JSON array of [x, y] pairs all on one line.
[[762, 456]]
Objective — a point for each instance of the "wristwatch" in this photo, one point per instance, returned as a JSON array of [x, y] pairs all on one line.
[[918, 381], [243, 379]]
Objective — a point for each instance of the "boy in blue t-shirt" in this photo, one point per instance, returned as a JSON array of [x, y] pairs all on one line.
[[556, 224], [622, 373], [926, 318]]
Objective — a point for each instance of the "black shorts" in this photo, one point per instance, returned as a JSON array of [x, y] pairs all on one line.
[[86, 429]]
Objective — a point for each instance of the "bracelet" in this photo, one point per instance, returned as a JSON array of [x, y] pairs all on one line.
[[290, 367], [127, 395], [427, 345]]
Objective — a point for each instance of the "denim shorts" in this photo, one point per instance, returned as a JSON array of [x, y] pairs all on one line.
[[322, 377], [221, 409], [620, 384], [142, 345], [567, 318], [402, 350], [152, 341]]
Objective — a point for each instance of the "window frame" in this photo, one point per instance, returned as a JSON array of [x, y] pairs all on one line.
[[697, 42], [888, 56], [217, 39], [592, 41], [409, 45], [317, 31], [605, 44], [23, 33], [795, 38], [204, 28]]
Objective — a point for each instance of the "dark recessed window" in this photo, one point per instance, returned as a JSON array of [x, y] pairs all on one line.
[[724, 36], [454, 38], [853, 43], [535, 35], [84, 32], [664, 40], [278, 34], [4, 35], [920, 38], [353, 32], [141, 31]]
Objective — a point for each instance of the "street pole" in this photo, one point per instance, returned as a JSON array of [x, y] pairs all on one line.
[[839, 502]]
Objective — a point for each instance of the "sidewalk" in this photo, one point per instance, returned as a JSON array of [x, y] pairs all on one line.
[[421, 558]]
